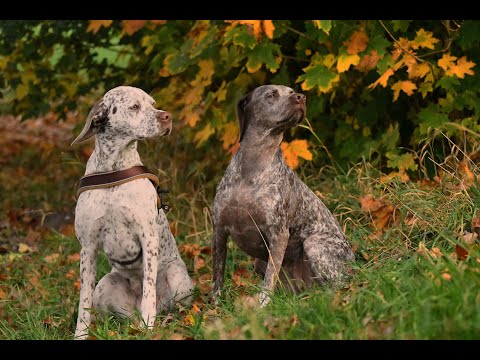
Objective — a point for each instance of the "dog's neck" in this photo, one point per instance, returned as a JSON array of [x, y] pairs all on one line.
[[257, 152], [112, 155]]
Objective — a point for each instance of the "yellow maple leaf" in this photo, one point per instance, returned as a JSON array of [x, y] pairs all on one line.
[[345, 61], [382, 80], [424, 39], [24, 248], [446, 61], [462, 68], [230, 135], [95, 25], [357, 42], [203, 135], [295, 149], [406, 86], [418, 70], [268, 28]]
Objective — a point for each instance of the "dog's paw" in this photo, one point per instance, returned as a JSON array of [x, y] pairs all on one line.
[[264, 299]]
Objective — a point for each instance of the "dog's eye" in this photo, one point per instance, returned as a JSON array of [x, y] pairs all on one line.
[[135, 107]]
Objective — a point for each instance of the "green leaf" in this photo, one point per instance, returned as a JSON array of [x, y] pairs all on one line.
[[391, 136], [379, 43], [176, 63], [264, 53], [318, 75], [240, 36], [324, 25], [448, 83], [400, 25], [431, 117], [401, 162], [21, 91]]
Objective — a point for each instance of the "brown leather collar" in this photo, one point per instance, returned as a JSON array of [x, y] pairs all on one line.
[[114, 178]]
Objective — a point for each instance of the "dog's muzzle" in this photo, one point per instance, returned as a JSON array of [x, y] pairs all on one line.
[[165, 120]]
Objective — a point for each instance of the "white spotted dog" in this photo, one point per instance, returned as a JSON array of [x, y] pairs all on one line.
[[147, 271]]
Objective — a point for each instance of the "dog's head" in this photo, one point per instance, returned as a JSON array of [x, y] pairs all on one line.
[[126, 112], [271, 107]]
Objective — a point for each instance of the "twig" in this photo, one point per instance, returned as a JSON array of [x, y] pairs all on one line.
[[398, 43]]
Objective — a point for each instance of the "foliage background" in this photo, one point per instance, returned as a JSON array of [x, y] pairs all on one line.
[[397, 96]]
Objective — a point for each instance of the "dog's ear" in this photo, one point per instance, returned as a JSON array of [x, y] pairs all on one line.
[[241, 109], [96, 120]]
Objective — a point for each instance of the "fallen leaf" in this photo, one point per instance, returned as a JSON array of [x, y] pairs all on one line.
[[461, 253], [469, 238], [74, 257], [51, 258], [435, 252], [188, 320], [446, 276], [369, 204], [24, 248], [176, 336], [191, 250], [68, 230], [198, 263], [77, 284], [71, 274], [2, 295], [406, 86]]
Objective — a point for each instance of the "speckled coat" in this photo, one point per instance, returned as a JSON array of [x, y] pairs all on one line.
[[147, 271], [267, 210]]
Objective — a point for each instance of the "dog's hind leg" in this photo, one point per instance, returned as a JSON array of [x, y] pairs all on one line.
[[118, 295], [328, 257], [174, 286]]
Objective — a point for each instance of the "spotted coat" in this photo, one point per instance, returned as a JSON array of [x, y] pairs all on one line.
[[147, 273], [267, 210]]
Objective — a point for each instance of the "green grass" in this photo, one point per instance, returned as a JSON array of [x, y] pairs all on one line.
[[402, 288]]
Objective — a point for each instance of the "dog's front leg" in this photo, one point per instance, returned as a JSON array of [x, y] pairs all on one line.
[[150, 264], [276, 252], [88, 269], [219, 254]]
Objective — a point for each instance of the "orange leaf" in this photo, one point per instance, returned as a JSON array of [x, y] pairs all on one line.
[[74, 257], [198, 263], [268, 27], [132, 26], [406, 86], [2, 294], [95, 25], [230, 134], [368, 61], [446, 276], [369, 204], [71, 274], [382, 80], [191, 250], [357, 42], [461, 252], [51, 258], [292, 151], [462, 68], [424, 39], [446, 61], [418, 70]]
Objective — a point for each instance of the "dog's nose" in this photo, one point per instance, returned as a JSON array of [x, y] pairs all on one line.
[[299, 98], [164, 116]]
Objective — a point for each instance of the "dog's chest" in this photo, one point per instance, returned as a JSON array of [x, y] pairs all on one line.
[[117, 217]]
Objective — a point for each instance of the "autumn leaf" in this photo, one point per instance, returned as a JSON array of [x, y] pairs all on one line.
[[418, 70], [447, 61], [292, 151], [74, 257], [382, 80], [2, 295], [446, 276], [406, 86], [460, 252], [268, 28], [369, 204], [198, 263], [130, 27], [368, 61], [51, 258], [324, 25], [462, 68], [191, 250], [230, 134], [24, 248], [71, 274], [318, 75], [345, 61], [357, 42], [204, 134], [95, 25], [424, 39]]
